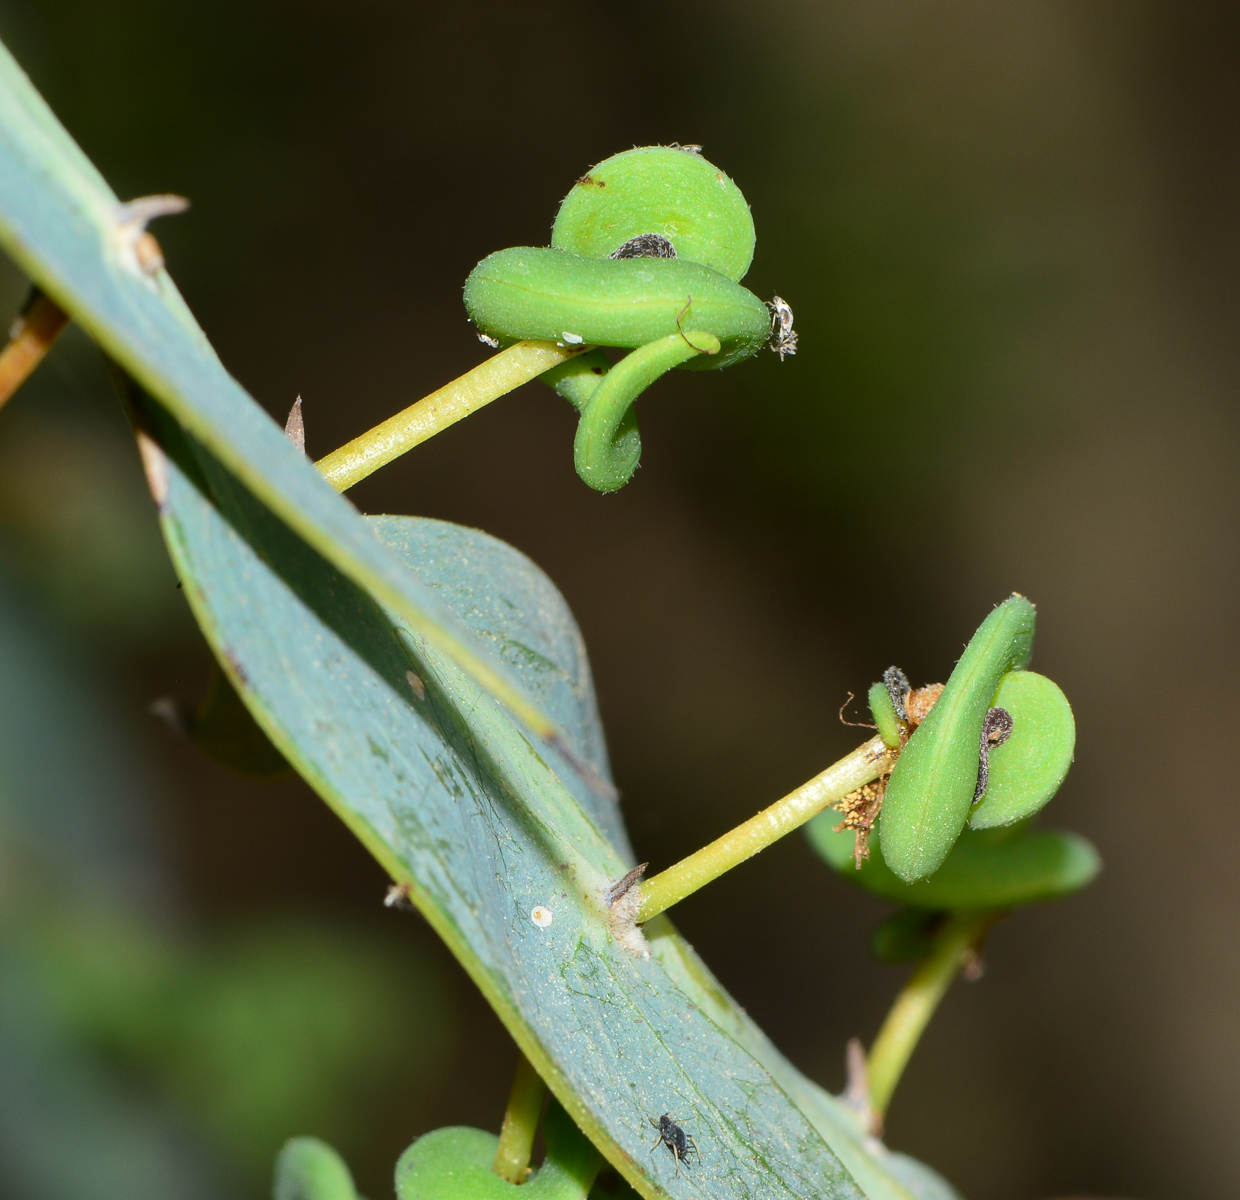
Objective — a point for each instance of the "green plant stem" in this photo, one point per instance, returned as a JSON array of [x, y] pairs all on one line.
[[488, 381], [516, 1136], [955, 943], [863, 765]]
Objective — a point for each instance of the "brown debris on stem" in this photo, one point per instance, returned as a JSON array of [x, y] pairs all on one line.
[[861, 809]]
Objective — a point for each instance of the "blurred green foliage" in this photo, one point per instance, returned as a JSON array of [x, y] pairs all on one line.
[[280, 1026]]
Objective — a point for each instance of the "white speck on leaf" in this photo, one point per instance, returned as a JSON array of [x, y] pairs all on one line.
[[573, 339], [542, 917]]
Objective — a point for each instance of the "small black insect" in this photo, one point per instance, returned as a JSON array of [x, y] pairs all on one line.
[[675, 1139]]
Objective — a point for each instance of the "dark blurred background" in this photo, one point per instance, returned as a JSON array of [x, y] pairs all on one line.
[[1009, 235]]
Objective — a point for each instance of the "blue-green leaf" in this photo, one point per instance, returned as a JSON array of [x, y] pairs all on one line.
[[457, 803]]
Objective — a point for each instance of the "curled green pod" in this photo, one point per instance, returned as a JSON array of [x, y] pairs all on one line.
[[986, 869], [663, 190], [649, 243], [1027, 770], [308, 1169], [608, 444], [671, 313], [576, 378], [551, 295], [932, 787]]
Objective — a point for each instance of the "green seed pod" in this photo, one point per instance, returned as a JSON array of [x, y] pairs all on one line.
[[577, 378], [648, 244], [890, 727], [988, 869], [451, 1164], [608, 445], [455, 1164], [659, 189], [1027, 770], [308, 1169], [932, 787], [551, 295]]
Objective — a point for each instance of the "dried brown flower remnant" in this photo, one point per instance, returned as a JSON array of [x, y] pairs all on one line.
[[861, 809], [921, 700]]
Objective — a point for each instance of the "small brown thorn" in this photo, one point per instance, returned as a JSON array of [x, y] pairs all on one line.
[[974, 966], [856, 1094], [155, 465], [178, 716], [624, 899], [295, 426], [623, 884], [138, 250], [399, 896]]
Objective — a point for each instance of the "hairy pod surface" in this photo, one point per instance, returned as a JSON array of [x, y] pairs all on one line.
[[551, 295], [931, 790], [987, 869], [659, 189], [1027, 770]]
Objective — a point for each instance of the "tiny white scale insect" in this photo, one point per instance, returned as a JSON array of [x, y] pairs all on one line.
[[542, 917], [783, 337], [573, 339]]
